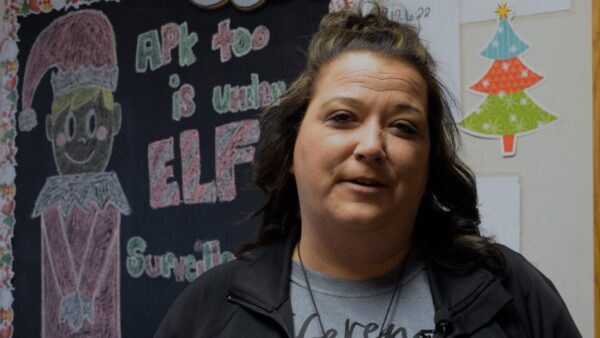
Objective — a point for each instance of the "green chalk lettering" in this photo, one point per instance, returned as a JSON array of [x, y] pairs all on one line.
[[186, 42], [148, 52]]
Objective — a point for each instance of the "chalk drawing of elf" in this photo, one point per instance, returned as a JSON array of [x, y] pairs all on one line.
[[80, 208]]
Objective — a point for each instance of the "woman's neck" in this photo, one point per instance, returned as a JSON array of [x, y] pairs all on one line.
[[352, 255]]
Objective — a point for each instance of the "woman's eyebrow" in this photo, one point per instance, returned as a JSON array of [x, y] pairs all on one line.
[[354, 102], [404, 107], [348, 100]]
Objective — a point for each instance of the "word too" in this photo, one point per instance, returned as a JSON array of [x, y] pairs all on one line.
[[232, 147], [239, 40], [182, 268], [257, 95], [157, 53]]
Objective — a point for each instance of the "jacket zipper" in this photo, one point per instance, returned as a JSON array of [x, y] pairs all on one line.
[[243, 303]]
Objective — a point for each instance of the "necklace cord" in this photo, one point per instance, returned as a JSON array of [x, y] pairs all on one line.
[[312, 297]]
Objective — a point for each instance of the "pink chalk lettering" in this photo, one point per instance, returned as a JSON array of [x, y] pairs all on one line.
[[188, 107], [238, 99], [170, 39], [264, 92], [232, 147], [193, 191], [178, 265], [222, 40], [162, 193], [152, 270], [260, 37], [239, 41]]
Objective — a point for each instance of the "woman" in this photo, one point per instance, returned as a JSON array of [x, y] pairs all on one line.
[[370, 227]]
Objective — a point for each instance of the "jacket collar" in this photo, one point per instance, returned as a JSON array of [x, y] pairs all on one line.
[[264, 281], [468, 301]]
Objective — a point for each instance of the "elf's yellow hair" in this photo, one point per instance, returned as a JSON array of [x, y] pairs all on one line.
[[78, 97]]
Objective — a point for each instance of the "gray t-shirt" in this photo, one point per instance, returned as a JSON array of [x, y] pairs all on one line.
[[351, 308]]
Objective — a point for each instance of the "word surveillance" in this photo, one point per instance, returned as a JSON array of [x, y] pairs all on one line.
[[183, 268], [233, 146]]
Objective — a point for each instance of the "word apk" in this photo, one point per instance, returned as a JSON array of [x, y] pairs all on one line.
[[154, 52], [233, 146], [257, 95], [183, 268], [239, 40]]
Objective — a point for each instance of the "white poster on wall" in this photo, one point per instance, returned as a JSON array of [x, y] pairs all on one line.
[[500, 209], [439, 27], [481, 10]]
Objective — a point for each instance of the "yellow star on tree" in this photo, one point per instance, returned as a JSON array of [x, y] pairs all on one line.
[[502, 11]]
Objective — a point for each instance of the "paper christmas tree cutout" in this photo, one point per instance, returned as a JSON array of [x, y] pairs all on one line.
[[506, 112]]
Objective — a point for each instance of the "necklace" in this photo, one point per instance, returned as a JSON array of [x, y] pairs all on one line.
[[312, 297]]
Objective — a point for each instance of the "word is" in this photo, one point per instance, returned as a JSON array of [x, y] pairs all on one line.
[[239, 40], [244, 5], [241, 98], [182, 268], [232, 147], [157, 53], [182, 99]]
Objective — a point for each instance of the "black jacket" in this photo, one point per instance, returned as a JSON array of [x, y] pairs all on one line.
[[249, 298]]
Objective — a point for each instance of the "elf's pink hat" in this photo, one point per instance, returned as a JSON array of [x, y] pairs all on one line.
[[81, 45]]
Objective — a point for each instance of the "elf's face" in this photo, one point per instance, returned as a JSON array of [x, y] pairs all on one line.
[[82, 138]]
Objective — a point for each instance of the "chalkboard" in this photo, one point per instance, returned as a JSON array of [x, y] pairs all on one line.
[[137, 124]]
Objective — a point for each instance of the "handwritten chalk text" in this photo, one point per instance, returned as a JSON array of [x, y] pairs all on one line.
[[239, 40], [182, 268], [151, 52], [257, 95], [233, 146]]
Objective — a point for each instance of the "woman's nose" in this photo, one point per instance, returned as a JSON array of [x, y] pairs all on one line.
[[371, 144]]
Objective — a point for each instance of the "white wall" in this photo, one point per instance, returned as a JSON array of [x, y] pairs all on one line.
[[554, 165]]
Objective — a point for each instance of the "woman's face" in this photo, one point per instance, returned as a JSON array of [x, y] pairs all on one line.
[[362, 151]]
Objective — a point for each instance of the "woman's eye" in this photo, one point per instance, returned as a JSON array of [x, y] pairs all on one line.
[[342, 118], [405, 128]]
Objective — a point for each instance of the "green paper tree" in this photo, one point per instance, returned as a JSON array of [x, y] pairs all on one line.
[[507, 111]]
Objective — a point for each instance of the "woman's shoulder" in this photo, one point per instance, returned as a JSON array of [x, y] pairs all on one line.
[[522, 271], [203, 306], [535, 298]]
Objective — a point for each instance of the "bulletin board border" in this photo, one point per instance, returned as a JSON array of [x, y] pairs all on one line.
[[10, 12], [596, 150]]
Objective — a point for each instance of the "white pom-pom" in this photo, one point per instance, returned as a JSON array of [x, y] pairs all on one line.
[[27, 120], [6, 298], [7, 173]]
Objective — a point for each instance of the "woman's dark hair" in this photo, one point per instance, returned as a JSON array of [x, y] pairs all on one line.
[[447, 224]]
